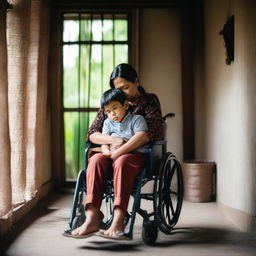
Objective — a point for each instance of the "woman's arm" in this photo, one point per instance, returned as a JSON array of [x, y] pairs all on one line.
[[153, 116], [137, 140], [100, 139], [96, 126]]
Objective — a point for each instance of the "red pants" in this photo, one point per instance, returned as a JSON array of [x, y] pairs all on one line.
[[123, 170]]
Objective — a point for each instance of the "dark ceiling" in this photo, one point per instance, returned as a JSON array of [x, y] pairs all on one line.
[[117, 3]]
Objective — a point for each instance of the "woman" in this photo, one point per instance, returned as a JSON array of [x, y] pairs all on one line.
[[123, 165]]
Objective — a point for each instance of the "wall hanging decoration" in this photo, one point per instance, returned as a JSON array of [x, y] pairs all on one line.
[[228, 35]]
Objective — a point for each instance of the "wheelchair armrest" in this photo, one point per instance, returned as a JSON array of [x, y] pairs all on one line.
[[88, 149], [92, 145], [161, 143], [153, 156], [169, 115], [157, 142]]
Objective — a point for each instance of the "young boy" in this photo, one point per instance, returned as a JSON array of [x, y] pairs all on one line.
[[120, 122], [122, 162]]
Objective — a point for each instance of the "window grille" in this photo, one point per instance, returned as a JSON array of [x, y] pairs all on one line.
[[92, 44]]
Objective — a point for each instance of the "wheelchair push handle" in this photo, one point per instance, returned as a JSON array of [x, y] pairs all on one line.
[[169, 115]]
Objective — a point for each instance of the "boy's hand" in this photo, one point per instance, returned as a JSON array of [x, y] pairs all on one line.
[[115, 154], [105, 150]]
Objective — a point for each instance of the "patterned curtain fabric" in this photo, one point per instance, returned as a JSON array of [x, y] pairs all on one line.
[[23, 101]]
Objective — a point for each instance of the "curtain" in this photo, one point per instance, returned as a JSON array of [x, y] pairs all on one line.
[[24, 64], [17, 20], [36, 96], [5, 180]]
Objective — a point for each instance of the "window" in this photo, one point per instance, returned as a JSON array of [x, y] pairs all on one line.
[[92, 44]]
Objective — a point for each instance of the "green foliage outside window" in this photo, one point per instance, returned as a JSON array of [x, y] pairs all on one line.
[[88, 60]]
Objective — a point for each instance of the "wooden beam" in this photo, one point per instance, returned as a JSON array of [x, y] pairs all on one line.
[[115, 3]]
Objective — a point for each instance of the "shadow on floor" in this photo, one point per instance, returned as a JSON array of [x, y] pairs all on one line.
[[42, 209], [179, 236], [119, 246], [206, 235], [210, 236]]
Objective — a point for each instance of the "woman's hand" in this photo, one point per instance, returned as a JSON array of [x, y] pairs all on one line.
[[112, 149], [137, 140], [117, 143]]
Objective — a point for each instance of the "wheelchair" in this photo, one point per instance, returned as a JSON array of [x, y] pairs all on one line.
[[164, 173]]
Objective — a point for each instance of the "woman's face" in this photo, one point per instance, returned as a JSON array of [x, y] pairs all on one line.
[[129, 88]]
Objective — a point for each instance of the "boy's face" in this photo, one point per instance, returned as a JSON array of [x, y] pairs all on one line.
[[115, 110]]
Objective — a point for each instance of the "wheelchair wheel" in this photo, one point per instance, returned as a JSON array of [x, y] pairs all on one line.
[[77, 222], [149, 232], [107, 211], [168, 193], [80, 212], [105, 218]]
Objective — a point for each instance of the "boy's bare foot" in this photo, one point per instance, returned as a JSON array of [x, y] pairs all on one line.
[[85, 229], [91, 223], [117, 225]]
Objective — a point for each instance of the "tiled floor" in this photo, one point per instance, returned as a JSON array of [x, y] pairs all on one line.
[[201, 230]]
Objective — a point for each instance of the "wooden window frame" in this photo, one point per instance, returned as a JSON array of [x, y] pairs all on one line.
[[55, 80]]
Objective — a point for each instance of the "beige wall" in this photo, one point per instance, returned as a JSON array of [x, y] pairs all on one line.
[[225, 104], [160, 66]]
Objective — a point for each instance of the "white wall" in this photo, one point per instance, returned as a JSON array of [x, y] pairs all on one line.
[[160, 66], [226, 106]]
